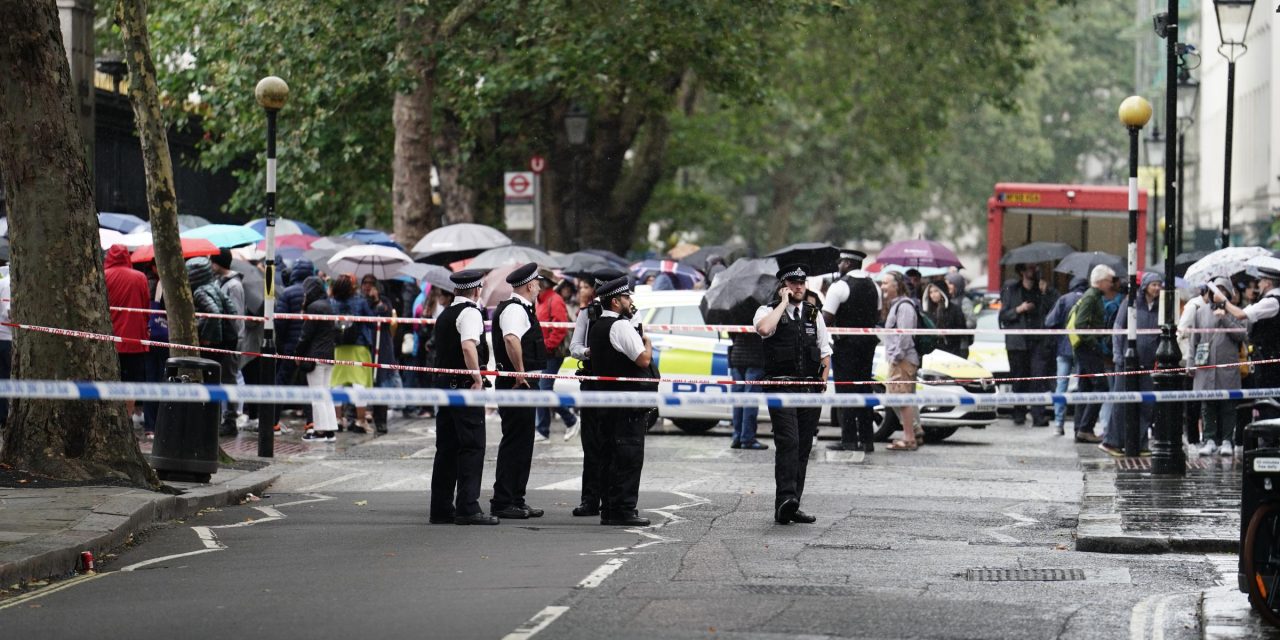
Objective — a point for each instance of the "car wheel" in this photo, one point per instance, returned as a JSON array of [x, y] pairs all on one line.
[[885, 423], [689, 425], [938, 434]]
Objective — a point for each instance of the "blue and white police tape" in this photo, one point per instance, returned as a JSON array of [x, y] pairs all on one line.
[[178, 392]]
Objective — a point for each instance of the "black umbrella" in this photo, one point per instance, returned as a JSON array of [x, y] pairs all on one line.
[[253, 289], [698, 259], [1081, 263], [739, 290], [580, 264], [1037, 252], [617, 260], [819, 256]]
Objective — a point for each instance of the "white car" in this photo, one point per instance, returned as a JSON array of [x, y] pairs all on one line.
[[687, 357]]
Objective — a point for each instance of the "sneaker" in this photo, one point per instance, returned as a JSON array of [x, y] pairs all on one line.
[[312, 435], [1207, 448], [1060, 428], [1227, 449], [538, 437], [570, 431], [329, 436], [1111, 451]]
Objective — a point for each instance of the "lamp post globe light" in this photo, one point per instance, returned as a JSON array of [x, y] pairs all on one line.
[[1135, 112], [271, 94], [575, 129], [1233, 28]]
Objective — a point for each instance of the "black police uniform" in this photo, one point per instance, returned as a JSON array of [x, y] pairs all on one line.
[[460, 431], [852, 358], [515, 450], [592, 445], [792, 353], [1264, 334]]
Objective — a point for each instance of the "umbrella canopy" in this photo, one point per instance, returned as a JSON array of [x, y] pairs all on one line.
[[457, 241], [192, 221], [581, 264], [224, 235], [253, 289], [284, 226], [298, 241], [108, 237], [1038, 252], [1183, 261], [819, 256], [495, 288], [136, 239], [334, 242], [683, 275], [373, 236], [739, 290], [382, 262], [919, 253], [1223, 262], [122, 222], [320, 258], [698, 259], [431, 274], [147, 227], [1081, 263], [191, 248], [925, 272], [617, 260], [4, 226], [514, 254]]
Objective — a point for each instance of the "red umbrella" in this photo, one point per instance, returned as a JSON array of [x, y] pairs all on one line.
[[295, 240], [191, 248]]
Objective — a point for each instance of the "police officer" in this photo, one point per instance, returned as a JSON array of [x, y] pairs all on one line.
[[1264, 327], [460, 344], [518, 347], [796, 348], [592, 492], [853, 301], [618, 349]]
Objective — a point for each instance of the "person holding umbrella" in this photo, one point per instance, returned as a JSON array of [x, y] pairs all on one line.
[[1263, 317], [797, 349], [853, 301]]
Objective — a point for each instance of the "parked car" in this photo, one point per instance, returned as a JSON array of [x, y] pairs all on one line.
[[686, 357]]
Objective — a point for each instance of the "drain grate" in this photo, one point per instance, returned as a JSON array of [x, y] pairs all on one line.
[[1023, 575], [800, 590], [1144, 464]]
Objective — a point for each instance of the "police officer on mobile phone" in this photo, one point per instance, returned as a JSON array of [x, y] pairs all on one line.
[[592, 452], [460, 344]]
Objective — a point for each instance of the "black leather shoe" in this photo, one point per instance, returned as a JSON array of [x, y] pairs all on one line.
[[511, 513], [868, 447], [802, 517], [475, 518], [444, 520], [786, 510], [735, 445], [584, 510], [533, 512], [755, 445], [624, 520]]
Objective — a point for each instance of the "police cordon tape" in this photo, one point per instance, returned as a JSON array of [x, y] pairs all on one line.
[[257, 394], [707, 328], [71, 333]]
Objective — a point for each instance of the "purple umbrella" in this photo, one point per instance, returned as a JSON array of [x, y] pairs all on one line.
[[918, 253]]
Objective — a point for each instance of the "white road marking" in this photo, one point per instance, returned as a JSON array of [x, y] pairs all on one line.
[[332, 481], [401, 482], [564, 485], [603, 571], [66, 584], [428, 452], [1144, 616], [1138, 619], [537, 623]]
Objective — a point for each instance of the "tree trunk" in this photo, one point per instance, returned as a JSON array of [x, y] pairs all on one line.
[[162, 199], [458, 199], [781, 207], [56, 262]]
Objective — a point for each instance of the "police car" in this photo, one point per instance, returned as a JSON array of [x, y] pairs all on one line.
[[697, 361]]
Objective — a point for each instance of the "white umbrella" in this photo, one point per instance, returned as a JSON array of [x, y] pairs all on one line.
[[381, 261], [109, 237], [457, 241], [514, 254], [135, 240], [1223, 262]]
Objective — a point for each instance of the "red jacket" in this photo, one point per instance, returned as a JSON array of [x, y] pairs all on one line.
[[126, 287], [551, 309]]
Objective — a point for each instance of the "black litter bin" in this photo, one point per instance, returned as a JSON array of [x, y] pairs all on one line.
[[186, 444], [1261, 482]]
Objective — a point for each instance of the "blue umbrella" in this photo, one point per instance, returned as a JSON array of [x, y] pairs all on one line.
[[224, 235], [373, 236], [683, 275], [122, 222], [284, 227]]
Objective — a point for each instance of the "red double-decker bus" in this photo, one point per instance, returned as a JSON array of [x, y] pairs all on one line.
[[1087, 217]]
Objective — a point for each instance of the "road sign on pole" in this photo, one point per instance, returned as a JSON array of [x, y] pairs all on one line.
[[520, 191], [537, 164]]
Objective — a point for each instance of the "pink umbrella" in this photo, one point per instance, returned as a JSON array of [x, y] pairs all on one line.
[[918, 253], [295, 240]]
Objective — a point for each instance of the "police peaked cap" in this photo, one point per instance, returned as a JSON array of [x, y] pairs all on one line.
[[614, 288], [794, 272], [523, 275], [468, 279], [606, 274], [853, 255]]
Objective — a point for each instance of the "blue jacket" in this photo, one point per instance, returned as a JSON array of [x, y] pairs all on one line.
[[356, 305], [1148, 318], [290, 301]]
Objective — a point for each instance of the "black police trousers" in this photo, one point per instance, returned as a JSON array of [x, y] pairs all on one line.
[[592, 453], [853, 363], [793, 433], [515, 455], [459, 462], [621, 432]]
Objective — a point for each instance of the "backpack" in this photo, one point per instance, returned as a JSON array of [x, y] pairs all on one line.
[[1073, 338], [925, 344], [349, 331]]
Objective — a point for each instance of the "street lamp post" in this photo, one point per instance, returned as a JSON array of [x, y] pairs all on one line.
[[271, 93], [1233, 28], [1155, 147], [1167, 454], [1187, 100], [575, 129], [1135, 111]]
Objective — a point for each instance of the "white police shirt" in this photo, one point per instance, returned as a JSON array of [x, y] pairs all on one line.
[[624, 337], [514, 319], [470, 323]]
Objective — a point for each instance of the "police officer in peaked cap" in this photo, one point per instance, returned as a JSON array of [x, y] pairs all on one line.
[[592, 453]]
